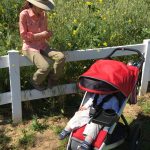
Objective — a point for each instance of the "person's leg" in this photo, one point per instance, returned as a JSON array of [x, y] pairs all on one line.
[[67, 130], [42, 64], [75, 122], [58, 59], [64, 133], [91, 131]]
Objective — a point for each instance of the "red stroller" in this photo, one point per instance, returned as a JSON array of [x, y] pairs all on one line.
[[109, 75]]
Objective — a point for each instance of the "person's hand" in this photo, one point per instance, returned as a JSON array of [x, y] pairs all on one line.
[[82, 108], [29, 35], [46, 34], [43, 34]]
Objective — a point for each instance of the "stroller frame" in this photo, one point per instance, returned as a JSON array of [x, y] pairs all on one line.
[[109, 130]]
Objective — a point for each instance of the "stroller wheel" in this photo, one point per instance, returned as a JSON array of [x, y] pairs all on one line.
[[135, 137]]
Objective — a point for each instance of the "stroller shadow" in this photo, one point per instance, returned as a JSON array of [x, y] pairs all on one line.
[[145, 125], [144, 121]]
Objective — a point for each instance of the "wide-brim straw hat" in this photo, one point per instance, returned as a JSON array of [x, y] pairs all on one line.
[[43, 4]]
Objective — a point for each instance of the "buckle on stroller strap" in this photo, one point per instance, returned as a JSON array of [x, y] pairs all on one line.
[[92, 111]]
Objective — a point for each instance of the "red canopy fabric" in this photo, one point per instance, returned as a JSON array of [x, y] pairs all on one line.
[[116, 73]]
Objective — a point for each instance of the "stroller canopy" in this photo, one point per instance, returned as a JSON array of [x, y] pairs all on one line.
[[109, 76]]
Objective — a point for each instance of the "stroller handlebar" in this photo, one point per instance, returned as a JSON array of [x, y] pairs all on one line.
[[142, 59]]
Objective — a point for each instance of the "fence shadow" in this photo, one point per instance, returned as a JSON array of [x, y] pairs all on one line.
[[5, 114]]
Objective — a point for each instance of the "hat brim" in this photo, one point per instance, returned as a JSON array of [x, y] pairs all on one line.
[[46, 5]]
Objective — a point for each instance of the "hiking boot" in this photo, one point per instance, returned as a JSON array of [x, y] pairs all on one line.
[[40, 87]]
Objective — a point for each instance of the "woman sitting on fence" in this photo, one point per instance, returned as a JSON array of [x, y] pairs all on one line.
[[34, 33]]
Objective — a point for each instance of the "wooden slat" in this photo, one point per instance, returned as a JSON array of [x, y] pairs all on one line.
[[88, 54], [5, 98], [4, 61], [55, 91], [98, 53], [27, 95]]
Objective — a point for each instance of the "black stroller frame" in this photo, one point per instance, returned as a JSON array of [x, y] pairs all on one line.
[[131, 134]]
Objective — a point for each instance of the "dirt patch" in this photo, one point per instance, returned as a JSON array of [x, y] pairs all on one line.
[[45, 140], [132, 111]]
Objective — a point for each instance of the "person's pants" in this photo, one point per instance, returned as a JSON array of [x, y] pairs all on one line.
[[92, 130], [82, 118], [45, 61]]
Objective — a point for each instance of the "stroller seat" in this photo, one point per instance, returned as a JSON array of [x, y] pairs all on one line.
[[111, 141], [108, 122], [78, 136]]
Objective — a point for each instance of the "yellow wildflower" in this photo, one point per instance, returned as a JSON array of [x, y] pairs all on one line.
[[54, 14], [105, 44], [69, 44], [103, 17], [75, 21], [98, 11], [50, 16], [88, 3], [74, 32], [100, 1], [129, 21]]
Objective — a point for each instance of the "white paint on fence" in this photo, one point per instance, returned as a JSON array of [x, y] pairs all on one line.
[[14, 71], [4, 62], [55, 91], [88, 54], [14, 61], [146, 68]]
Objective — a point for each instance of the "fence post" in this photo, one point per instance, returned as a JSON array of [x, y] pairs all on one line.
[[15, 89], [146, 68]]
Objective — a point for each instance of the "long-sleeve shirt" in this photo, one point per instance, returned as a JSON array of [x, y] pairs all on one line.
[[110, 104], [30, 24]]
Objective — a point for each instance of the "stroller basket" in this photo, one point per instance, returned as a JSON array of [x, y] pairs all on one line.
[[106, 117]]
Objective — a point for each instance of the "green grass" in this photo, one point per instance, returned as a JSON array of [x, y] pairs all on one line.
[[37, 126], [27, 139], [4, 141]]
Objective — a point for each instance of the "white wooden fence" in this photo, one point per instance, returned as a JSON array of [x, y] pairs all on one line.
[[14, 61]]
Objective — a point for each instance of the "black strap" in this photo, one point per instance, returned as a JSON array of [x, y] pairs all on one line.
[[104, 100], [95, 100]]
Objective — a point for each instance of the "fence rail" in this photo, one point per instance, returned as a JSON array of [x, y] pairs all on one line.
[[14, 61]]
